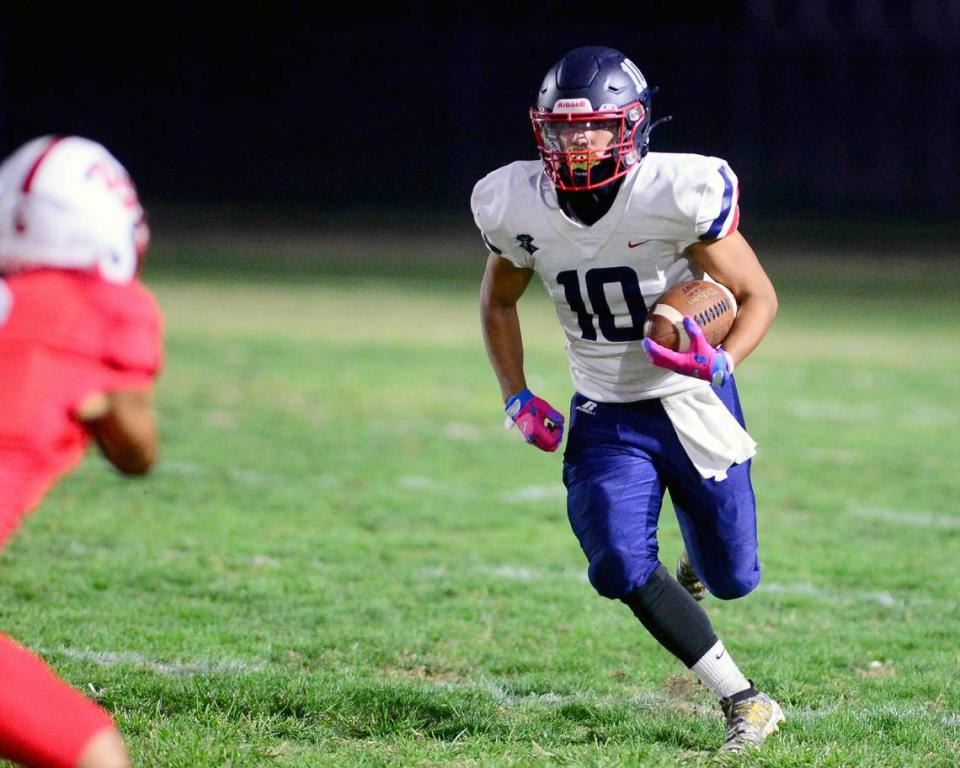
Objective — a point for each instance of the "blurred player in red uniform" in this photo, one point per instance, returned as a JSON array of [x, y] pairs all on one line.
[[80, 346]]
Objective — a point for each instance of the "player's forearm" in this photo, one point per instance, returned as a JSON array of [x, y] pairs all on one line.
[[127, 433], [501, 334], [732, 262], [754, 316]]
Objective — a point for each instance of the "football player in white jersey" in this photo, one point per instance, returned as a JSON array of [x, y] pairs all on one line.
[[608, 227]]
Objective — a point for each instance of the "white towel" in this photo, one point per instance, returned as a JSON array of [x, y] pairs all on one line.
[[708, 432]]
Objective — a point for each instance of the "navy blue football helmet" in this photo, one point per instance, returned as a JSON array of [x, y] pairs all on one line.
[[592, 118]]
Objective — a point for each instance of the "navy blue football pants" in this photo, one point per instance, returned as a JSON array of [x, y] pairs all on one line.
[[619, 460]]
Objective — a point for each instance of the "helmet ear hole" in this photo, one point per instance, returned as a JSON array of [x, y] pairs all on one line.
[[636, 115], [141, 237], [116, 266]]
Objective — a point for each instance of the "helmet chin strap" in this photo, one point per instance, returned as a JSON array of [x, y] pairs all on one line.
[[589, 206], [655, 123], [645, 146], [600, 171]]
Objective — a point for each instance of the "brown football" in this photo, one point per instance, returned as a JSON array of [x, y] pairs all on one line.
[[710, 304]]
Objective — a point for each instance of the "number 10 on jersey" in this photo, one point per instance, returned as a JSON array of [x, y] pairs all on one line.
[[596, 280]]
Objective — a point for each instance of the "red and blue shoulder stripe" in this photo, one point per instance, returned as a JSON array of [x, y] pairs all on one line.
[[729, 216]]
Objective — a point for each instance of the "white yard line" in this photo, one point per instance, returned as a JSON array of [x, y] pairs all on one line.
[[554, 491], [833, 410], [251, 478], [833, 456], [220, 418], [514, 572], [501, 694], [460, 431], [181, 468], [805, 589], [862, 413], [928, 415], [432, 486], [913, 518], [505, 571], [659, 700], [173, 669], [254, 479]]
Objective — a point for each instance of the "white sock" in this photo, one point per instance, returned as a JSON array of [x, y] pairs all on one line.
[[717, 671]]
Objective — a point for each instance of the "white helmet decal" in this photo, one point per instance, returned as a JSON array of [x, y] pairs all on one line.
[[573, 105], [68, 203], [634, 73]]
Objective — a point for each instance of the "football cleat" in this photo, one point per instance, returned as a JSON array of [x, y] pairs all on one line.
[[750, 721], [689, 580]]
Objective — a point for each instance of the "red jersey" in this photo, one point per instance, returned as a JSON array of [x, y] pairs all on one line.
[[63, 336]]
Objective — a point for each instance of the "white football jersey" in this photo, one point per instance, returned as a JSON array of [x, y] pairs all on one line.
[[604, 277]]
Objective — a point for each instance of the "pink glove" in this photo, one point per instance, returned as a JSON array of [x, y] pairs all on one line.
[[540, 423], [700, 360]]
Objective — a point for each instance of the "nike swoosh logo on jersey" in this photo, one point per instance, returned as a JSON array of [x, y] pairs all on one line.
[[634, 245]]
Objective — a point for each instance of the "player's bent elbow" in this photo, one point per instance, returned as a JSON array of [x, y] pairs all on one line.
[[773, 303], [127, 435], [134, 460], [762, 303], [136, 467]]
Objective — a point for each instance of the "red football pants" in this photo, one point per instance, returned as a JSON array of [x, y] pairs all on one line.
[[44, 723]]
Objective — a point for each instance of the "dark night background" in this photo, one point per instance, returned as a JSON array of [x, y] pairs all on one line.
[[823, 108]]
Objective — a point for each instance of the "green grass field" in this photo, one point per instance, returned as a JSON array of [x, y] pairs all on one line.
[[343, 559]]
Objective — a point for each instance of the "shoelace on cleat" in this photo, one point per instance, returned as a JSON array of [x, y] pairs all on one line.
[[746, 714]]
